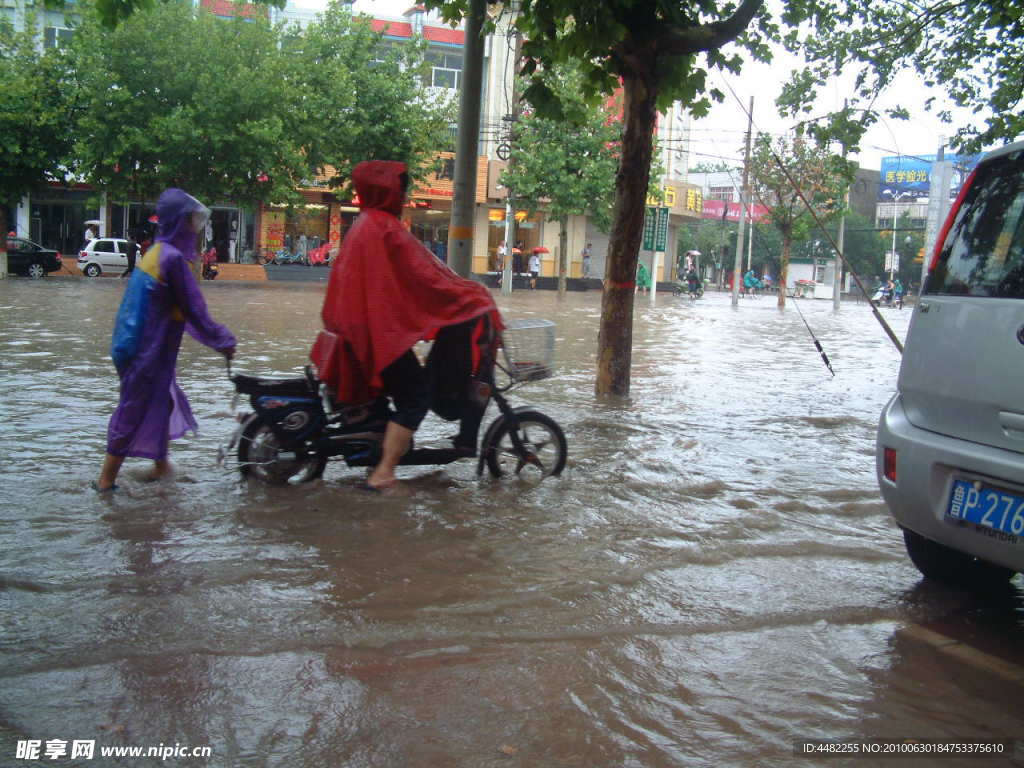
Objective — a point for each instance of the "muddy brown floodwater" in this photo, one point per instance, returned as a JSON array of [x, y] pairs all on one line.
[[713, 578]]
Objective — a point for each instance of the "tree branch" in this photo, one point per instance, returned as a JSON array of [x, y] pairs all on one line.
[[708, 37]]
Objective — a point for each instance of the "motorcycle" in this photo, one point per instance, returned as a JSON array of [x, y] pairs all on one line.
[[320, 256], [882, 297], [296, 425], [693, 288], [284, 256]]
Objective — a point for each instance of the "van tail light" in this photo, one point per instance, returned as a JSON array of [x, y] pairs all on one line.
[[889, 464], [82, 254], [941, 239]]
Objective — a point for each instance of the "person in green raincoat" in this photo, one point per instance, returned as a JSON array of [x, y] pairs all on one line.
[[643, 277]]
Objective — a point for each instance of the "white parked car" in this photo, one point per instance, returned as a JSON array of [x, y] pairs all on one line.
[[950, 451], [104, 254]]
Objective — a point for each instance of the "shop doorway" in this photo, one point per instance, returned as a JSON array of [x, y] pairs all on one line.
[[58, 220], [222, 233], [525, 237]]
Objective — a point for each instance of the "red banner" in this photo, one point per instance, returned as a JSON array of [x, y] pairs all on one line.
[[713, 209]]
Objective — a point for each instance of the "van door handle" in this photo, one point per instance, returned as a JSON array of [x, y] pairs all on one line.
[[1012, 424]]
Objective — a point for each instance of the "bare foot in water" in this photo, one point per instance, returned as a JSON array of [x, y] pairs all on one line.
[[162, 470]]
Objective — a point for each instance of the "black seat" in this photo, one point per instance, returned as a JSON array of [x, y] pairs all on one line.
[[253, 385]]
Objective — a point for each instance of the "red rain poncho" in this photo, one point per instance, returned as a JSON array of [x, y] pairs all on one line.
[[386, 291]]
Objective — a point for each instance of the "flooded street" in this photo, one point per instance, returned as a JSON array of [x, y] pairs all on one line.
[[712, 579]]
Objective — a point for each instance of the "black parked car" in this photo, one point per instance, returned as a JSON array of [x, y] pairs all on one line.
[[26, 258]]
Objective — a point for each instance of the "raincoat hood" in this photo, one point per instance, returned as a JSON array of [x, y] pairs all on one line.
[[172, 210], [379, 185]]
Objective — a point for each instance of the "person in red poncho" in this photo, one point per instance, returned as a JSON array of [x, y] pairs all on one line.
[[386, 292]]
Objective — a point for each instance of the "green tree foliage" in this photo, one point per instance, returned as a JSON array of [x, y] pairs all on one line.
[[35, 117], [864, 246], [365, 99], [968, 50], [177, 96], [787, 176], [707, 167], [569, 164], [657, 52]]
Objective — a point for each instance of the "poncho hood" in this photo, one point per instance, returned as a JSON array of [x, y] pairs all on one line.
[[379, 185], [172, 210]]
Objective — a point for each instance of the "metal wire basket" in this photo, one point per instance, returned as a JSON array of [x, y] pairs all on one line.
[[529, 347]]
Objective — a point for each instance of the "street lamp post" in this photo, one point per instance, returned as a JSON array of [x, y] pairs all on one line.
[[895, 200]]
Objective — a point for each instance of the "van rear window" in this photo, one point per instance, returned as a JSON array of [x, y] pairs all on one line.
[[983, 254]]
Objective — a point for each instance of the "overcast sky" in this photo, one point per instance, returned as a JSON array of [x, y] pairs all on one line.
[[720, 135]]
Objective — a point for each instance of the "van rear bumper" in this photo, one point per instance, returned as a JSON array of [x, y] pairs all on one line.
[[926, 465]]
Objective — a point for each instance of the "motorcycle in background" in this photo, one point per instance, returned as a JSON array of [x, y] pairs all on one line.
[[210, 268]]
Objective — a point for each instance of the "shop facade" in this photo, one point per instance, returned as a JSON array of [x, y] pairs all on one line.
[[297, 229], [54, 217]]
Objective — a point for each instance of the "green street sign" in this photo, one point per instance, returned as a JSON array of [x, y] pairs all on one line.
[[649, 222], [656, 229]]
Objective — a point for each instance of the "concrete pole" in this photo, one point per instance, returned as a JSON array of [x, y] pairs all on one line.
[[510, 221], [655, 266], [744, 197], [460, 233], [837, 282], [750, 233], [510, 225]]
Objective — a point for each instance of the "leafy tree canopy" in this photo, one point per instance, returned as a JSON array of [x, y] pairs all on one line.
[[718, 167], [569, 164], [366, 99], [177, 96], [970, 51], [793, 177], [35, 113]]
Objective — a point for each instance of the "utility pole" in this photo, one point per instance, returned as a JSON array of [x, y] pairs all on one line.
[[837, 280], [510, 209], [460, 233], [744, 197]]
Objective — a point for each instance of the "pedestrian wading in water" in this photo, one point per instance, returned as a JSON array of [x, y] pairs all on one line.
[[161, 302]]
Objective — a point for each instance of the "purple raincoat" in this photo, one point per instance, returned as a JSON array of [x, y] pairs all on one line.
[[161, 301]]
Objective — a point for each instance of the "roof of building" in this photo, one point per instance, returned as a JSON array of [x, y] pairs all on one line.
[[403, 29]]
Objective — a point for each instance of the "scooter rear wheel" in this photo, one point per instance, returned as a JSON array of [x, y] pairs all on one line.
[[542, 438], [260, 457]]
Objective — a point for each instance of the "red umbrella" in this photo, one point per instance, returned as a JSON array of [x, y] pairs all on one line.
[[541, 249]]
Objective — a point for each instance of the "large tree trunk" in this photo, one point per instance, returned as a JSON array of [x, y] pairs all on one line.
[[615, 339], [563, 256], [787, 248]]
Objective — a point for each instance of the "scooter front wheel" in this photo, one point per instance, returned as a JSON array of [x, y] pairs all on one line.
[[260, 457], [544, 443]]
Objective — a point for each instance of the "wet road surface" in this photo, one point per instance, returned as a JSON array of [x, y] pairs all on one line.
[[713, 578]]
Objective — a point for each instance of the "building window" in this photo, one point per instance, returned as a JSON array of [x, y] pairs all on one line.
[[720, 193], [446, 70], [56, 37]]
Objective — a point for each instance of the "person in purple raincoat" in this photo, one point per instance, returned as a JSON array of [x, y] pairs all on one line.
[[161, 301]]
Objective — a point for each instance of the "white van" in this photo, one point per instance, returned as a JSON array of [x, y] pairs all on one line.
[[104, 254], [950, 450]]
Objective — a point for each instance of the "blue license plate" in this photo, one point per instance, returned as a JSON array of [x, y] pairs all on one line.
[[992, 507]]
